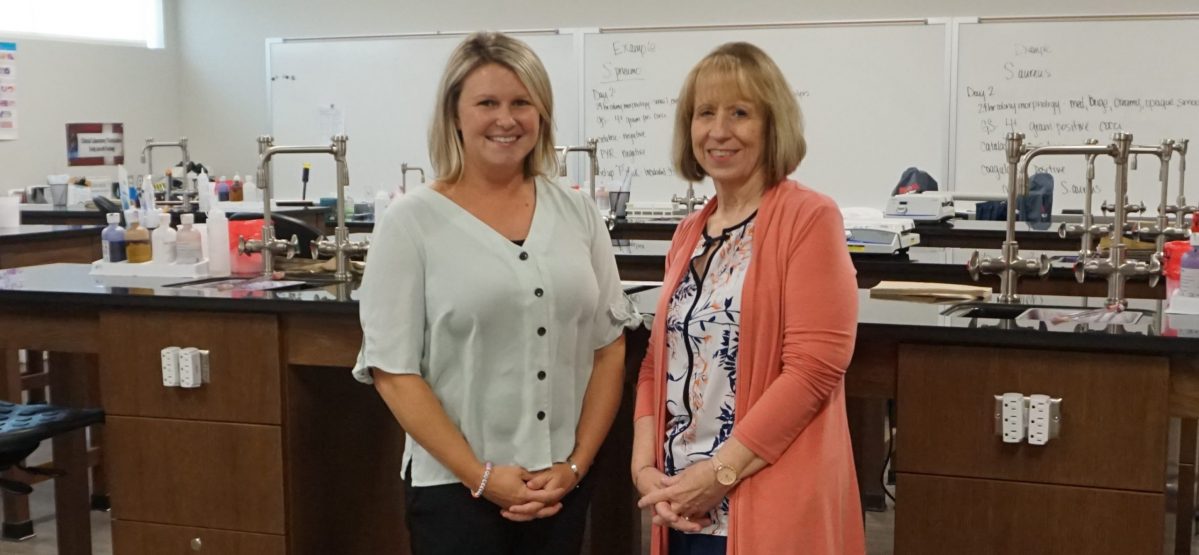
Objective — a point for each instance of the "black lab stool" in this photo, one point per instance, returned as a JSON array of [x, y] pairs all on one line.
[[22, 429]]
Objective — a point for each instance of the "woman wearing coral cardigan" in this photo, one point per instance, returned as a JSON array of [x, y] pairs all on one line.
[[741, 441]]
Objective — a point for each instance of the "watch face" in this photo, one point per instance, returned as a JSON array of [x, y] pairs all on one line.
[[726, 476]]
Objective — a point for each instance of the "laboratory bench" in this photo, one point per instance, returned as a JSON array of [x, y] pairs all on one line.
[[31, 245], [79, 215], [646, 260], [283, 452]]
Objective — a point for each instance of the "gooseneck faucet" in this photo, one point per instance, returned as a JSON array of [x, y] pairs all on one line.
[[1009, 265], [1160, 231], [1116, 267], [1088, 230], [404, 169], [592, 150], [1181, 209], [690, 201], [148, 155]]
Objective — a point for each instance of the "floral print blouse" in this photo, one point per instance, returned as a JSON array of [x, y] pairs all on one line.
[[703, 333]]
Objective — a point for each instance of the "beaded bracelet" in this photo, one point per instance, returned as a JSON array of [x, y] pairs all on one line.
[[482, 483]]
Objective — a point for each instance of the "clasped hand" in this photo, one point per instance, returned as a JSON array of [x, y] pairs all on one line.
[[523, 496], [682, 501]]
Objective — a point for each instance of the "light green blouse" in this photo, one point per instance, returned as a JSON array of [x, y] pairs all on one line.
[[505, 335]]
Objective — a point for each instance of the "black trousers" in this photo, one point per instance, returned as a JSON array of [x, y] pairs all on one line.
[[446, 520]]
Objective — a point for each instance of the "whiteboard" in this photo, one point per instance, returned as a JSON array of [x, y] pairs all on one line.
[[875, 100], [381, 92], [1062, 82]]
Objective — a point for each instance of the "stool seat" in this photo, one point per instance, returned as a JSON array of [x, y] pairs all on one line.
[[23, 427]]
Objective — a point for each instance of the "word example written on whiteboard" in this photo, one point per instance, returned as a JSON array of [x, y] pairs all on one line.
[[1056, 84], [632, 80]]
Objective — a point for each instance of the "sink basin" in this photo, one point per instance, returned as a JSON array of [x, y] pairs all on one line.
[[1050, 314]]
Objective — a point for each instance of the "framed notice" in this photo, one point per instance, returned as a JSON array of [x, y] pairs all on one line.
[[8, 91], [95, 144]]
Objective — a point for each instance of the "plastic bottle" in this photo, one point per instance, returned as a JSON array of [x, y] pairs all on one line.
[[1188, 283], [218, 243], [187, 241], [236, 193], [112, 239], [163, 241], [137, 239], [222, 191]]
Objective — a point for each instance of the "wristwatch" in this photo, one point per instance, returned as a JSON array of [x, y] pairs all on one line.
[[725, 474]]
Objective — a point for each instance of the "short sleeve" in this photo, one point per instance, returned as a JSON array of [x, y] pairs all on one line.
[[391, 306], [615, 310]]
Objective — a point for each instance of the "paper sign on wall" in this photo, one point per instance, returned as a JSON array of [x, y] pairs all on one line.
[[8, 91], [95, 144]]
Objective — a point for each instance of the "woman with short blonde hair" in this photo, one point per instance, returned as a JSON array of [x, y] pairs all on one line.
[[741, 442], [492, 318], [445, 142]]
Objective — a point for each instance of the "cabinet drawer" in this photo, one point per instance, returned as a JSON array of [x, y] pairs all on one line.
[[139, 538], [205, 474], [1114, 415], [941, 515], [243, 361]]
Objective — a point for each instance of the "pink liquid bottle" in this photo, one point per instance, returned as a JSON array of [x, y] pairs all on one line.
[[1188, 282]]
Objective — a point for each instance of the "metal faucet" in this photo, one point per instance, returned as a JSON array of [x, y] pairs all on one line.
[[1116, 268], [592, 150], [269, 245], [1181, 209], [690, 201], [1088, 230], [1160, 231], [404, 169], [148, 156], [1009, 265]]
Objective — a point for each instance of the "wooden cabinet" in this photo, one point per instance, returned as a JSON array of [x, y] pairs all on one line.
[[212, 475], [244, 355], [1097, 488], [937, 515], [136, 538]]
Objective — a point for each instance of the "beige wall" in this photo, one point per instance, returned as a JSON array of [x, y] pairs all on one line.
[[77, 82]]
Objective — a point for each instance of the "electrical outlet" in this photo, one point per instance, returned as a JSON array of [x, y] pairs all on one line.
[[190, 370], [1014, 417], [170, 367], [1044, 418]]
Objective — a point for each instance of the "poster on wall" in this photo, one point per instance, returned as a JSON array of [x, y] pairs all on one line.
[[8, 91], [95, 144]]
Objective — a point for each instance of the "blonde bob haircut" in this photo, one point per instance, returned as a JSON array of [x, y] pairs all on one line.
[[758, 80], [478, 50]]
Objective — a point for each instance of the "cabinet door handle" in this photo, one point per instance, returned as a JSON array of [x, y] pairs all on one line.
[[197, 544]]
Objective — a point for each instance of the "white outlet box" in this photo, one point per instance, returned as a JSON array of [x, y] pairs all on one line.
[[1013, 417], [1044, 418], [170, 367]]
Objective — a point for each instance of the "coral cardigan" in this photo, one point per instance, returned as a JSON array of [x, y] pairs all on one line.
[[798, 322]]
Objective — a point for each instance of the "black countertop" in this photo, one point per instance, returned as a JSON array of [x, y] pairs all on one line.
[[42, 212], [24, 233], [70, 284]]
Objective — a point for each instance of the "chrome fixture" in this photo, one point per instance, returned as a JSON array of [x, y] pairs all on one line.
[[269, 245], [1116, 268], [1181, 209], [148, 158], [690, 201], [592, 150], [1009, 265], [1088, 230], [1160, 231], [404, 169]]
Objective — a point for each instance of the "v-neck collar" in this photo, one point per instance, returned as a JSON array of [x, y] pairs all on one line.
[[478, 228]]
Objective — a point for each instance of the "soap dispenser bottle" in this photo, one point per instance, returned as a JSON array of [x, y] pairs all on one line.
[[187, 241], [112, 239], [1188, 279], [137, 239], [163, 240]]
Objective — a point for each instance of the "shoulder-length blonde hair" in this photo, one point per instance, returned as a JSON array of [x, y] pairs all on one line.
[[478, 50], [761, 82]]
